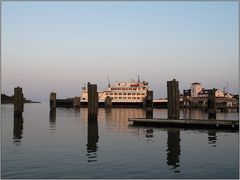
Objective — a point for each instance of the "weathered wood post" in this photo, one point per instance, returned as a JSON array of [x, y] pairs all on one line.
[[108, 102], [173, 103], [149, 104], [52, 98], [76, 101], [211, 104], [18, 102], [92, 101]]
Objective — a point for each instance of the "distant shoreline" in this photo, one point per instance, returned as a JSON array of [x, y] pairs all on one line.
[[5, 99], [8, 102]]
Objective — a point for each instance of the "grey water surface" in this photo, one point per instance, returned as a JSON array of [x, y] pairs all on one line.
[[61, 144]]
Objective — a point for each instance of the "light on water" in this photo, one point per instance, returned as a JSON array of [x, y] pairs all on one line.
[[62, 144]]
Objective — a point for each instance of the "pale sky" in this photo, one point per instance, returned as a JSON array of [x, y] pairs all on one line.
[[60, 46]]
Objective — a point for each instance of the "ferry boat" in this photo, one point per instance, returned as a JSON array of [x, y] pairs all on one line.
[[121, 92]]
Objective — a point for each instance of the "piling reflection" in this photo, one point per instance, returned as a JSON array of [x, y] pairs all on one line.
[[185, 113], [92, 140], [212, 138], [173, 150], [17, 129], [52, 120], [149, 133], [149, 114]]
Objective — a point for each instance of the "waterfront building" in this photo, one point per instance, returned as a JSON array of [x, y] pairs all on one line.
[[198, 96]]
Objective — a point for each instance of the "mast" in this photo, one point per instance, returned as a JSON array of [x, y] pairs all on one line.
[[138, 78], [108, 81], [227, 86]]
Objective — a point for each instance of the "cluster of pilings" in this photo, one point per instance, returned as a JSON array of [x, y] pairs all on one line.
[[173, 96], [54, 102], [173, 105]]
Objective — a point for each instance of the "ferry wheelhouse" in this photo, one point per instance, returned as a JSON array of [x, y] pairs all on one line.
[[121, 92]]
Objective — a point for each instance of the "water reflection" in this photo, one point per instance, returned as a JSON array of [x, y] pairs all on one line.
[[149, 133], [117, 118], [77, 110], [149, 114], [212, 137], [92, 140], [52, 120], [17, 129], [189, 113], [173, 150]]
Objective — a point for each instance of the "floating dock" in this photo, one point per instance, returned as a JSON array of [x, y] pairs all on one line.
[[187, 123]]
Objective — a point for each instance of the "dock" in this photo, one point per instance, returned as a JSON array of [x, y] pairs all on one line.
[[187, 123]]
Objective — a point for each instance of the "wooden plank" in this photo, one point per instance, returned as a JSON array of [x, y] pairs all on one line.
[[188, 123]]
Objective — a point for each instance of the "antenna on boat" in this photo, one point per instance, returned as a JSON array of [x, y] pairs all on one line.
[[138, 78], [108, 81], [227, 86]]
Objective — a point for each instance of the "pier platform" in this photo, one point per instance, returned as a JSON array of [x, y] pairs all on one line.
[[187, 123]]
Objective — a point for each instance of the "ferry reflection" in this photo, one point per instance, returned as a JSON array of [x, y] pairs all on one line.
[[92, 140], [17, 129], [117, 118], [52, 120], [212, 138], [173, 150]]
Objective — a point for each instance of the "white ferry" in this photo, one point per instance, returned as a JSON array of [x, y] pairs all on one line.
[[121, 92]]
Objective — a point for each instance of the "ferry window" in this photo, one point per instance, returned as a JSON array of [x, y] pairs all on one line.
[[138, 97], [120, 97], [134, 88], [124, 93], [111, 93], [133, 93], [129, 93], [106, 93], [124, 97], [83, 98], [138, 93], [129, 97], [120, 93], [115, 97], [118, 88], [134, 97], [115, 93], [142, 93], [144, 88], [123, 88], [130, 88]]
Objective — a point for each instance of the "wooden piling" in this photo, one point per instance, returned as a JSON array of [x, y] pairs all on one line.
[[18, 102], [211, 104], [173, 99], [76, 101], [92, 101], [108, 102], [149, 104], [52, 98]]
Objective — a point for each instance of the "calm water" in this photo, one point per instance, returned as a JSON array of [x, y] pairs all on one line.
[[63, 145]]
